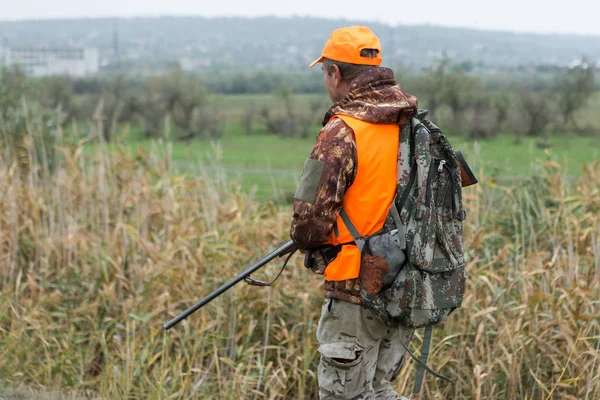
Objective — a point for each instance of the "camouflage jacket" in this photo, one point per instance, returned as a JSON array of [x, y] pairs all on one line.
[[374, 97]]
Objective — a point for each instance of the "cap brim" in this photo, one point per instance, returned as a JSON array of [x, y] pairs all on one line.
[[318, 60]]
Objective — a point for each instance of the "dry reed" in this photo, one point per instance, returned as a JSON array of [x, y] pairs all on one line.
[[100, 250]]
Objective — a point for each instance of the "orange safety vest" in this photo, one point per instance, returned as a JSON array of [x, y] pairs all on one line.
[[370, 196]]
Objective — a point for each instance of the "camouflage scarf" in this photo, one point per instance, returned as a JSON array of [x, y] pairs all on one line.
[[375, 97]]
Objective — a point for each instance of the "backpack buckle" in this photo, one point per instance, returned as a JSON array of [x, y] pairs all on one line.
[[419, 214]]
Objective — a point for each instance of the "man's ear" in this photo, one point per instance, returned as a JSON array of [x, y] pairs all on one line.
[[337, 75]]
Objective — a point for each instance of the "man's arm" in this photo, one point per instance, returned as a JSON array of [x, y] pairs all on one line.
[[328, 173]]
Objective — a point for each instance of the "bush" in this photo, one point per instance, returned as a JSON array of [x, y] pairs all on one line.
[[534, 112]]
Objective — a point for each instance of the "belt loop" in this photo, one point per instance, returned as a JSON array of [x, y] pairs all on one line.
[[330, 305]]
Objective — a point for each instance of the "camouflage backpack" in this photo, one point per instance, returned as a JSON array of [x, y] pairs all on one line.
[[421, 240]]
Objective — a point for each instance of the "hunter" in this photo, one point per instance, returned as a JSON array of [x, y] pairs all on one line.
[[353, 166]]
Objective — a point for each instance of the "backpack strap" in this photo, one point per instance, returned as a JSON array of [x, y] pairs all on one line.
[[423, 358], [398, 205], [396, 217], [358, 239], [422, 361]]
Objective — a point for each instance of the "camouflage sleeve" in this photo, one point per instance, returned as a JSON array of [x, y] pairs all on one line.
[[328, 173]]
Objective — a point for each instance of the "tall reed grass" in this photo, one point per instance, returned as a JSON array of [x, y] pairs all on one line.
[[98, 251]]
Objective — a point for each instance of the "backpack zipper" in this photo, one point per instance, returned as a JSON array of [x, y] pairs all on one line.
[[430, 179], [441, 167]]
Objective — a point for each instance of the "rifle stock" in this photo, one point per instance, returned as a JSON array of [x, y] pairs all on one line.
[[467, 176], [281, 250]]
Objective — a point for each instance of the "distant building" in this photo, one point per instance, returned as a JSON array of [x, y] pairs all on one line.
[[44, 61], [579, 63]]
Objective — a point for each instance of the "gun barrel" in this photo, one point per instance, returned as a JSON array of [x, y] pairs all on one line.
[[278, 252]]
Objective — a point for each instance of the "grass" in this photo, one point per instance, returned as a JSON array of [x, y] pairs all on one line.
[[98, 254], [505, 158], [28, 393], [234, 105], [267, 165], [270, 166]]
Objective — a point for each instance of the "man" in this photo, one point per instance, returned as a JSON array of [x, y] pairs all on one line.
[[352, 167]]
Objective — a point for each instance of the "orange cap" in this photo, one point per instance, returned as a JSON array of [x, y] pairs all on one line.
[[345, 44]]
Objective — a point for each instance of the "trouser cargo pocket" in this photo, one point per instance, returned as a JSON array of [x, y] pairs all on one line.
[[341, 370]]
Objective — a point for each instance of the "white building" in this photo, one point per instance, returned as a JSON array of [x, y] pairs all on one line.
[[44, 61]]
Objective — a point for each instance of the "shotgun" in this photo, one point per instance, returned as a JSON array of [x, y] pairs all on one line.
[[285, 248]]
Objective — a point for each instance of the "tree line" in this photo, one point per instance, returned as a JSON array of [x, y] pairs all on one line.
[[460, 101]]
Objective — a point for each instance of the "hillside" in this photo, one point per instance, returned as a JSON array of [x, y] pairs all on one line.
[[287, 43]]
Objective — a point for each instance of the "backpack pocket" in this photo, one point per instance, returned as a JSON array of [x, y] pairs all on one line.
[[419, 298], [449, 214], [434, 231]]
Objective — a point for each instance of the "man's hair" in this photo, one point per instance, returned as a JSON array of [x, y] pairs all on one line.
[[347, 70]]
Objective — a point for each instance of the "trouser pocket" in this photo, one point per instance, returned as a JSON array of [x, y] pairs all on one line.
[[341, 370]]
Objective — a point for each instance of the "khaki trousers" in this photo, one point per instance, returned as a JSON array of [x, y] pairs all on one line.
[[360, 355]]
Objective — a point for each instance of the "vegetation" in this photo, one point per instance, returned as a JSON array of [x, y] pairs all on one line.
[[262, 139], [125, 200], [99, 252], [193, 108]]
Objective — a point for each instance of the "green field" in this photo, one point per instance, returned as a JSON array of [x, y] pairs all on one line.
[[271, 165]]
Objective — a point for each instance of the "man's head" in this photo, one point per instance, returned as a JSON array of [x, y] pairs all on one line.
[[347, 53]]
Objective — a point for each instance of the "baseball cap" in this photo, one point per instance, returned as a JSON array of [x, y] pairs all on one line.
[[345, 45]]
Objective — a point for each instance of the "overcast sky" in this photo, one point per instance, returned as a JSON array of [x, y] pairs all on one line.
[[549, 16]]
